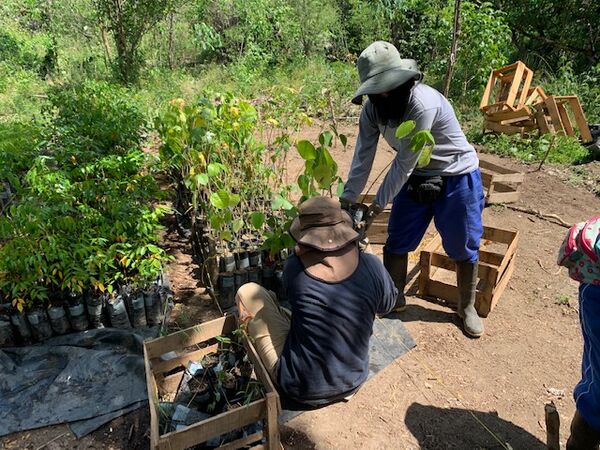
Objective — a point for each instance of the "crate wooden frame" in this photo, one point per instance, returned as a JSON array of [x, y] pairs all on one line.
[[495, 270], [501, 185], [512, 83], [552, 116], [157, 380]]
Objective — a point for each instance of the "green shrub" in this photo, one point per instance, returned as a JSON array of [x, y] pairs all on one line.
[[585, 85], [95, 117], [565, 149], [18, 148]]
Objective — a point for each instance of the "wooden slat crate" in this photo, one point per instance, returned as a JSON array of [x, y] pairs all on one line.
[[553, 117], [377, 232], [501, 185], [508, 87], [495, 270], [161, 381]]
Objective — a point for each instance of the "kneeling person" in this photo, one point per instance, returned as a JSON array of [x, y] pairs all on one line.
[[319, 353]]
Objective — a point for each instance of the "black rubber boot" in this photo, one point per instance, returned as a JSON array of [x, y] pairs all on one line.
[[397, 267], [583, 437], [466, 277]]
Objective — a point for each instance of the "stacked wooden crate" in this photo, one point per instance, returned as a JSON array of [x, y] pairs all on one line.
[[512, 106]]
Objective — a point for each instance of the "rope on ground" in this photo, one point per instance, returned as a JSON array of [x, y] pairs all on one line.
[[439, 378], [552, 218]]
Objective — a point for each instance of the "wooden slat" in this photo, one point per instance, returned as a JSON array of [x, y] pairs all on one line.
[[504, 178], [485, 99], [215, 426], [242, 442], [169, 384], [503, 197], [377, 233], [486, 178], [495, 167], [497, 107], [526, 83], [580, 120], [190, 336], [566, 121], [442, 261], [517, 115], [541, 120], [509, 254], [514, 88], [425, 273], [498, 235], [505, 129], [159, 366], [506, 69], [443, 291], [552, 108], [501, 286], [259, 368], [152, 401], [491, 257], [273, 440]]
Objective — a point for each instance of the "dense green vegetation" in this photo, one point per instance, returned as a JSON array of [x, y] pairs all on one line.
[[84, 84]]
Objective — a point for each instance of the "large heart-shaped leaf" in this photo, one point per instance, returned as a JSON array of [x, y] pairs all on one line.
[[257, 219], [220, 199], [307, 150]]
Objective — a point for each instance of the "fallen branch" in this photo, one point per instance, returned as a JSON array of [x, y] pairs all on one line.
[[553, 218], [56, 438]]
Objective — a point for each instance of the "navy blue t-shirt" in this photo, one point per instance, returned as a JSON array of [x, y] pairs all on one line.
[[327, 350]]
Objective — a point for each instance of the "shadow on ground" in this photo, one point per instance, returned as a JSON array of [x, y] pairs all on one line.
[[292, 438], [453, 428]]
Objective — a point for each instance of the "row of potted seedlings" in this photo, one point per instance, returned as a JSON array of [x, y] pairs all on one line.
[[125, 308], [230, 192]]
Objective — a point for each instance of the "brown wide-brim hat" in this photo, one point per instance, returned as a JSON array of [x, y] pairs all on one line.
[[322, 224], [381, 69]]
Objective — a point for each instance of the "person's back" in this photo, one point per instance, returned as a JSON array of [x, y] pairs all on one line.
[[326, 354], [319, 353]]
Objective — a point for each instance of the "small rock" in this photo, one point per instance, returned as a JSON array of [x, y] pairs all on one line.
[[556, 392]]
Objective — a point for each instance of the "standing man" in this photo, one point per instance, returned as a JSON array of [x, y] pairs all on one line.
[[448, 189], [319, 353]]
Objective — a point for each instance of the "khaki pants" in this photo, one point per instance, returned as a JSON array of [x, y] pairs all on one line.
[[268, 325]]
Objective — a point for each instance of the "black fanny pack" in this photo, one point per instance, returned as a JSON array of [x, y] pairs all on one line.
[[425, 189]]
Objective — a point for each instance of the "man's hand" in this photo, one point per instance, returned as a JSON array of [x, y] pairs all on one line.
[[345, 204], [372, 212]]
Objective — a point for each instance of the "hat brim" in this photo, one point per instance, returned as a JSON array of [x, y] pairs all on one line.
[[384, 82], [325, 238]]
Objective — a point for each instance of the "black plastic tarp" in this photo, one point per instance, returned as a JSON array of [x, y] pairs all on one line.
[[89, 378]]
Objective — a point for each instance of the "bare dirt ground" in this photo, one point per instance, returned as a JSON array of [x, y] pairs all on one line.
[[450, 392]]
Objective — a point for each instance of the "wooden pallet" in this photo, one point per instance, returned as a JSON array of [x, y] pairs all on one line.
[[161, 381], [501, 185], [495, 270]]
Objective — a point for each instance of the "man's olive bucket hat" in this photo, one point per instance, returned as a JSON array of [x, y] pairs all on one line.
[[381, 69]]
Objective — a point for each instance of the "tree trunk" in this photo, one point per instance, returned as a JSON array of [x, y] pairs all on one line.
[[170, 55], [453, 49], [105, 45]]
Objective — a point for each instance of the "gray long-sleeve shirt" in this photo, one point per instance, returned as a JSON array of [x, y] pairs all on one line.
[[452, 154]]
